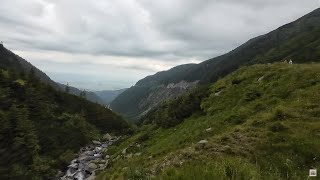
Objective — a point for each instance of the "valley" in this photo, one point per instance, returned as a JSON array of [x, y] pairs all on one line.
[[251, 113]]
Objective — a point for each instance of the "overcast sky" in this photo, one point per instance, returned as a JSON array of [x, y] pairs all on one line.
[[111, 44]]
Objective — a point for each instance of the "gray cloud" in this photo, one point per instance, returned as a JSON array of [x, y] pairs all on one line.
[[166, 32]]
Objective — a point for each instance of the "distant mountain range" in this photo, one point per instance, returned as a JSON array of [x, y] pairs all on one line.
[[107, 96], [298, 41]]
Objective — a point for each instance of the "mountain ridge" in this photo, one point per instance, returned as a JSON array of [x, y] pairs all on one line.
[[277, 45]]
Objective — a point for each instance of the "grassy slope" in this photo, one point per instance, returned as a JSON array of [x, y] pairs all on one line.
[[266, 129]]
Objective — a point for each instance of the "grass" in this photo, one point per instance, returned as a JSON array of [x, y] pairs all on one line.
[[267, 129]]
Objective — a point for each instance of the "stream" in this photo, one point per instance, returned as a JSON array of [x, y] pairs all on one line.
[[89, 160]]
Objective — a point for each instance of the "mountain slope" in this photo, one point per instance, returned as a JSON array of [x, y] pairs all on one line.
[[148, 92], [108, 96], [9, 60], [42, 128], [260, 122], [298, 41]]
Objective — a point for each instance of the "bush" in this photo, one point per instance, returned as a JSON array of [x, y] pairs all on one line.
[[277, 127]]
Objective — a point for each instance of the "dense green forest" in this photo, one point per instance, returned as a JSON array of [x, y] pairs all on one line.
[[42, 128], [259, 122]]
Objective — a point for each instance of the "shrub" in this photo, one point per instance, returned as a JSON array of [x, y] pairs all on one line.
[[277, 127]]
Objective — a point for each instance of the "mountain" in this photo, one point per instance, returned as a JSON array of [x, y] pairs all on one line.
[[91, 96], [298, 41], [259, 122], [107, 96], [41, 127], [12, 61], [148, 92]]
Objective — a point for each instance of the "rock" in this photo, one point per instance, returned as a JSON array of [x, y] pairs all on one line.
[[104, 145], [129, 156], [89, 153], [79, 176], [150, 157], [261, 78], [107, 137], [73, 165], [107, 157], [137, 154], [218, 93], [202, 144], [97, 149], [59, 174], [138, 145], [97, 155], [124, 151], [96, 142], [209, 130], [92, 166], [74, 161], [101, 165]]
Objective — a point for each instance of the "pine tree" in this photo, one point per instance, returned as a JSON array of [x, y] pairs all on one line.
[[25, 135], [67, 89]]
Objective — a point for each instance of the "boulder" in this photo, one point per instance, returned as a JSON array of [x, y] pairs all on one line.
[[79, 176], [107, 157], [261, 78], [97, 149], [89, 153], [96, 142], [137, 154], [129, 156], [107, 137], [92, 166], [218, 93], [202, 144], [209, 130], [59, 174], [124, 151], [104, 145], [73, 165]]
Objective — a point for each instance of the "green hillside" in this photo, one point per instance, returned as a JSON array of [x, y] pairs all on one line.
[[42, 128], [260, 122], [298, 41]]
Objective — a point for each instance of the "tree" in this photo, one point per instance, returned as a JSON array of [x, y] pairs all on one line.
[[83, 94], [25, 134], [67, 89]]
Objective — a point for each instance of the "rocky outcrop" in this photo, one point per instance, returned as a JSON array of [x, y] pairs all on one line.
[[164, 92]]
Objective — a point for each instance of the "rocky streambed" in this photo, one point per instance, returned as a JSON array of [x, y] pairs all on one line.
[[90, 159]]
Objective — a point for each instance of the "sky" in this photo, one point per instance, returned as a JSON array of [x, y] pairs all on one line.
[[111, 44]]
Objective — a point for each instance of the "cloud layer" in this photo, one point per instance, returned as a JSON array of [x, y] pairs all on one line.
[[104, 44]]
